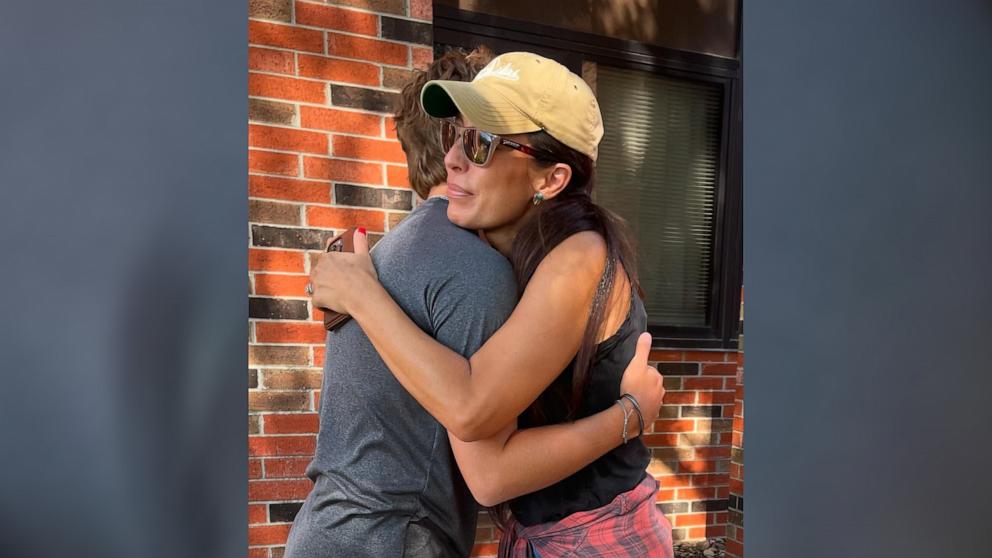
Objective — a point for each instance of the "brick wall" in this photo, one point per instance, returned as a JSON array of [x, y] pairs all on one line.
[[735, 519], [323, 157]]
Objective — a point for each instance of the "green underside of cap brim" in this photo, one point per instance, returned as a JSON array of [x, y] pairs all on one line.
[[485, 108]]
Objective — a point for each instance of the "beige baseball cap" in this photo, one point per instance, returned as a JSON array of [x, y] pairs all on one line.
[[519, 93]]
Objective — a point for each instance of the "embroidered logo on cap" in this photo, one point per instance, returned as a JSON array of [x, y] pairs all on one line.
[[502, 71]]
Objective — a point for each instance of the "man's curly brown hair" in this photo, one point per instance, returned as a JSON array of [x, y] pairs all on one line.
[[419, 133]]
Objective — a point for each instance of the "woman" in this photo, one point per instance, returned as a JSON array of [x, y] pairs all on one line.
[[521, 142]]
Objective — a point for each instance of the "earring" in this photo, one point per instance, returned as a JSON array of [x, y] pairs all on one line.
[[538, 198]]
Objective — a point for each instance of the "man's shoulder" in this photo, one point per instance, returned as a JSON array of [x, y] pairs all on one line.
[[427, 241]]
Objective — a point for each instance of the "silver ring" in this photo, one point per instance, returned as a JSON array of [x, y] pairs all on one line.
[[309, 288]]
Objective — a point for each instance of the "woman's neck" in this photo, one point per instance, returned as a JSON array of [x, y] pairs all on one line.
[[501, 238]]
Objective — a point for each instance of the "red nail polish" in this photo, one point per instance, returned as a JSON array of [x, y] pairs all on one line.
[[361, 230]]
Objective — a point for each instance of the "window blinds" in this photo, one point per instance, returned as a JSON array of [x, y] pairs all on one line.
[[658, 168]]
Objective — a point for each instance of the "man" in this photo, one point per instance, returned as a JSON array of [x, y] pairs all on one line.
[[385, 481]]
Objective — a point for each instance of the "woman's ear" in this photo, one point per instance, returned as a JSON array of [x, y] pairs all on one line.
[[556, 178]]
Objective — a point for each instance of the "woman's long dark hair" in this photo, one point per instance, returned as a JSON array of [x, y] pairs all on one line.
[[570, 212]]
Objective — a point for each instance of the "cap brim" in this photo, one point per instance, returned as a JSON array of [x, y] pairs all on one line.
[[485, 108]]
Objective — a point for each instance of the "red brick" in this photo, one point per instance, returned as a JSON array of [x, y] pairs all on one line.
[[674, 481], [339, 218], [258, 513], [421, 57], [291, 423], [710, 480], [724, 369], [275, 260], [257, 552], [695, 493], [316, 401], [340, 121], [733, 548], [712, 397], [266, 446], [702, 383], [697, 466], [287, 139], [328, 17], [318, 356], [484, 549], [686, 519], [718, 452], [345, 171], [661, 440], [367, 49], [671, 425], [421, 9], [279, 87], [333, 69], [704, 356], [389, 128], [383, 6], [268, 534], [665, 356], [254, 469], [289, 189], [368, 149], [286, 467], [714, 531], [397, 176], [280, 285], [286, 164], [709, 531], [285, 36], [287, 332], [269, 60], [679, 397], [665, 496]]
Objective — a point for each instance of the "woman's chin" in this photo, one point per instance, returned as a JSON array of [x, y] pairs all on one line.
[[458, 215]]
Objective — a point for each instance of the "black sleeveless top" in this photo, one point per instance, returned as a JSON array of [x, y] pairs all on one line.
[[619, 470]]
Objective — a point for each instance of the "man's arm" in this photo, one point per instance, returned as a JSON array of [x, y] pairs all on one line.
[[517, 462]]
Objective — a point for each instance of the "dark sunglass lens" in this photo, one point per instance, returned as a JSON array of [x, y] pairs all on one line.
[[448, 135], [478, 145]]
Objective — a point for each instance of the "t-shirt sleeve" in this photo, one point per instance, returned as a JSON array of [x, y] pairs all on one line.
[[471, 305]]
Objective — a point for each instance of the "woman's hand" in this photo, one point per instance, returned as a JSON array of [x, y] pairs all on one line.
[[339, 278], [644, 383]]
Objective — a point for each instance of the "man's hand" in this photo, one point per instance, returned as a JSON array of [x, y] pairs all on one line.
[[338, 279], [644, 383]]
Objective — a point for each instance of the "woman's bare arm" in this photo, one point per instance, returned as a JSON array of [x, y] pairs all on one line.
[[478, 397], [517, 462]]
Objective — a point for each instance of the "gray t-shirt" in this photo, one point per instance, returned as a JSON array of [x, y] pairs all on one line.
[[386, 483]]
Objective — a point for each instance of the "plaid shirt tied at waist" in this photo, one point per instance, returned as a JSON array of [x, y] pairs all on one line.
[[629, 526]]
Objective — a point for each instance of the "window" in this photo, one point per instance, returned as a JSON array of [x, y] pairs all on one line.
[[669, 163]]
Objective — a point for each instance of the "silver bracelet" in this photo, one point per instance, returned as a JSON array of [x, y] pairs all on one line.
[[626, 417], [640, 417]]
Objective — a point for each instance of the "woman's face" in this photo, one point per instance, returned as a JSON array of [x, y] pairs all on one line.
[[494, 198]]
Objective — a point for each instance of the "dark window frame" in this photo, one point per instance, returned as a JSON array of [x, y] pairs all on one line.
[[572, 48]]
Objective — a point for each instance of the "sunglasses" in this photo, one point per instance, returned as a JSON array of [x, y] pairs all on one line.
[[479, 146]]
